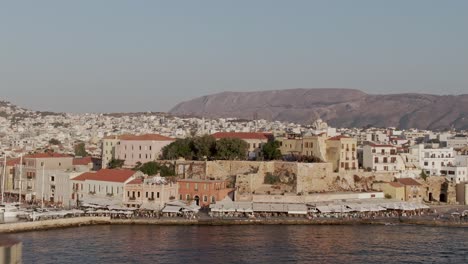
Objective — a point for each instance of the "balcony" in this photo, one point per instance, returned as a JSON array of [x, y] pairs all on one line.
[[92, 193], [109, 194], [151, 199], [131, 198]]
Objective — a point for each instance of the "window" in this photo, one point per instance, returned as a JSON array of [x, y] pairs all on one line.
[[150, 147], [140, 147], [157, 195], [52, 178], [205, 198], [180, 197], [187, 185], [187, 197], [138, 194], [213, 200], [196, 186], [204, 186]]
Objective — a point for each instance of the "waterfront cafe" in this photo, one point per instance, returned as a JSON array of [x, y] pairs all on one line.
[[229, 208], [364, 206], [179, 208]]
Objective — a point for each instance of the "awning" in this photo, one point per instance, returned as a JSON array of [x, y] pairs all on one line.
[[172, 209]]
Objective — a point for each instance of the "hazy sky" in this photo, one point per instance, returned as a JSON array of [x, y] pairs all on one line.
[[89, 56]]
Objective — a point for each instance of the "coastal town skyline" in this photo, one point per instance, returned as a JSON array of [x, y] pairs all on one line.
[[266, 131], [68, 57]]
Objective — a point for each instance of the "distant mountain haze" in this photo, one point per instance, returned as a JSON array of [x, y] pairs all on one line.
[[338, 107]]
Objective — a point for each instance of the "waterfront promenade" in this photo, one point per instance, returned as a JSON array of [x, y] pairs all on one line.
[[84, 221]]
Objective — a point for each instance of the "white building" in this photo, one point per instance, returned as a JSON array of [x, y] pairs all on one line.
[[104, 187], [455, 174], [432, 160], [382, 158]]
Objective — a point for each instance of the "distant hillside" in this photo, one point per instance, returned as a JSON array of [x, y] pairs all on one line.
[[339, 107]]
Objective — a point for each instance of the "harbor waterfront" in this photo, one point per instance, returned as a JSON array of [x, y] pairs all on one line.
[[88, 221], [246, 244]]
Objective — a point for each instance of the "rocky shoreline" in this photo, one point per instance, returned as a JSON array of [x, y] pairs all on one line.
[[87, 221]]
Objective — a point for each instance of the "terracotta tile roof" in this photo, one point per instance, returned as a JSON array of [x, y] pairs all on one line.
[[11, 162], [339, 137], [109, 175], [396, 184], [381, 145], [82, 161], [408, 181], [47, 155], [150, 137], [243, 135], [136, 181]]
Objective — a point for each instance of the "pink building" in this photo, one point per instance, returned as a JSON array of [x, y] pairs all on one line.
[[144, 148]]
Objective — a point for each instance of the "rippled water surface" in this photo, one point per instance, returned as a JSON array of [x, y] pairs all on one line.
[[247, 244]]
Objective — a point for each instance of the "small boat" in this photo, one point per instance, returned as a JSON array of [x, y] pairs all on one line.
[[11, 210]]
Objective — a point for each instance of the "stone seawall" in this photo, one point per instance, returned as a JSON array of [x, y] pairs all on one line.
[[52, 224], [83, 221]]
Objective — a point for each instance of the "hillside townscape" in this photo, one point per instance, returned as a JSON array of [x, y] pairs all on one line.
[[174, 165]]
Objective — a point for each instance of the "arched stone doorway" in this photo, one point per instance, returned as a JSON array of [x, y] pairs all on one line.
[[197, 200], [443, 198]]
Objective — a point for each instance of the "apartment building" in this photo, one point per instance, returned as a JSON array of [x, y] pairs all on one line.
[[342, 153], [144, 148], [149, 193], [382, 158], [203, 192], [105, 187]]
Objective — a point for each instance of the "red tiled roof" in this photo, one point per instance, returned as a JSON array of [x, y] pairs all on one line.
[[381, 145], [338, 137], [136, 181], [82, 161], [396, 184], [408, 181], [150, 137], [243, 135], [109, 175], [11, 162], [47, 155]]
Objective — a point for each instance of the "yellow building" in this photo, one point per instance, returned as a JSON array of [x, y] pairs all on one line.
[[341, 152], [394, 190], [313, 145], [108, 149]]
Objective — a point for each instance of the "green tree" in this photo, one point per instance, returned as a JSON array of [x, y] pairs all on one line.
[[80, 150], [54, 141], [270, 151], [149, 168], [115, 163], [181, 148], [231, 149], [152, 168], [423, 175], [204, 147]]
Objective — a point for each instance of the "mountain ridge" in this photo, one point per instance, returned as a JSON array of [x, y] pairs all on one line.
[[340, 107]]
